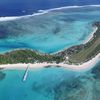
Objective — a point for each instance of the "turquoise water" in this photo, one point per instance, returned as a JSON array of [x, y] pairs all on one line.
[[40, 85], [49, 32], [50, 84]]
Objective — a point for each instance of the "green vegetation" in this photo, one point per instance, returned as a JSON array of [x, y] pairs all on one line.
[[87, 50], [27, 56], [76, 54]]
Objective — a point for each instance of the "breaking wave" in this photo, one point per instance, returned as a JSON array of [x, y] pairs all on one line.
[[41, 12]]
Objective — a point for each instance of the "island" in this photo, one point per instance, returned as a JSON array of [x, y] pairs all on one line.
[[75, 55]]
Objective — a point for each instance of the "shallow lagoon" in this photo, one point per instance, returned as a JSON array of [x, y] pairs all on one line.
[[49, 32], [53, 83]]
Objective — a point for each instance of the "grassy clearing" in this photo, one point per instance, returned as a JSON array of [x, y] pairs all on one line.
[[90, 50], [76, 54]]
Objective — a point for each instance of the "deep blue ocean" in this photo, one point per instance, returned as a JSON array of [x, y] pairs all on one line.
[[48, 33], [24, 7]]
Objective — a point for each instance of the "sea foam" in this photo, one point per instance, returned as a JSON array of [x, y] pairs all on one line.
[[41, 12]]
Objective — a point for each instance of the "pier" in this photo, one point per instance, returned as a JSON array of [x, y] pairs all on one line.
[[25, 74]]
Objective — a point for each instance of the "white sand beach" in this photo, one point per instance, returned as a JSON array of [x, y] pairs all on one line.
[[85, 66], [90, 37]]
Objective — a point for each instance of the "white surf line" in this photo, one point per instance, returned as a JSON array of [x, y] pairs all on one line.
[[26, 73], [91, 35], [41, 12]]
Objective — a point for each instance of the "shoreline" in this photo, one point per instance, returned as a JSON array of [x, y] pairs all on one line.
[[90, 37], [81, 67], [61, 58], [75, 67]]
